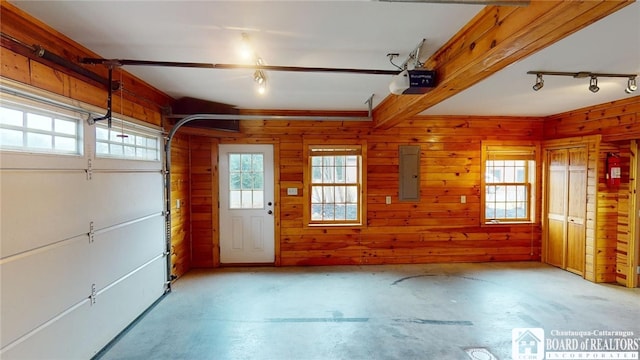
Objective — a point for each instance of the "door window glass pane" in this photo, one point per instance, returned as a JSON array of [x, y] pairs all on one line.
[[246, 181]]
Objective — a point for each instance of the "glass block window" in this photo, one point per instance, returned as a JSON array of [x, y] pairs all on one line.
[[246, 181], [126, 142], [41, 131], [335, 184], [509, 175]]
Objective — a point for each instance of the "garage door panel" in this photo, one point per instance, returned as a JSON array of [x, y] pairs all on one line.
[[119, 305], [110, 164], [117, 252], [39, 208], [58, 339], [82, 239], [31, 286], [129, 196]]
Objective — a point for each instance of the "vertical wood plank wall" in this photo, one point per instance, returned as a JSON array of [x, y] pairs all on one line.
[[204, 194], [180, 217], [624, 218], [607, 231], [439, 228]]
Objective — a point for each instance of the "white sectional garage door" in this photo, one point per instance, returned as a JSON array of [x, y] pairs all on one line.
[[82, 249]]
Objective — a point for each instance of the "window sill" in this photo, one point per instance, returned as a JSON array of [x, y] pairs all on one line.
[[508, 223], [351, 225]]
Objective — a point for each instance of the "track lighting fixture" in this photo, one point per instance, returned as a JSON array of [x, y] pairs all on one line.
[[248, 52], [593, 84], [631, 85], [258, 77], [261, 80], [593, 79], [539, 83]]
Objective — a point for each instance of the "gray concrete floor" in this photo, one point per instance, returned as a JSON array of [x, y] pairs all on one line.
[[435, 311]]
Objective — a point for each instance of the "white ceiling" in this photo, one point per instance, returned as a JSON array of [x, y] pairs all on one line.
[[335, 34]]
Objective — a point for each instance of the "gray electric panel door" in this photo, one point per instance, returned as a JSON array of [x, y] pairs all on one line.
[[409, 180]]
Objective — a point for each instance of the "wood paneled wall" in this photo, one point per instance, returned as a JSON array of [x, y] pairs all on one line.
[[439, 228], [204, 200], [607, 220], [615, 121], [180, 217], [624, 217]]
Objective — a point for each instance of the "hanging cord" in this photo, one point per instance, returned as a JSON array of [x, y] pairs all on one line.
[[392, 56], [122, 134]]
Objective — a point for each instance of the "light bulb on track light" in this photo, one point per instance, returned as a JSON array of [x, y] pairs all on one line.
[[246, 50], [593, 84], [539, 83], [631, 85]]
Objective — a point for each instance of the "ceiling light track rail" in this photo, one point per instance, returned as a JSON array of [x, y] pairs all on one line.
[[593, 79], [465, 2], [129, 62], [581, 74]]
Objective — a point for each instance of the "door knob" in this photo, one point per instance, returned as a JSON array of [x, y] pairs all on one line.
[[269, 203], [269, 212]]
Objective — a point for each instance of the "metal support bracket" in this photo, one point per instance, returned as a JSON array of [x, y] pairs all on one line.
[[89, 169], [93, 295], [370, 103], [91, 233], [111, 87], [414, 56]]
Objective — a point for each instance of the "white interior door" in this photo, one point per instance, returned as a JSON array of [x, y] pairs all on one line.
[[247, 228]]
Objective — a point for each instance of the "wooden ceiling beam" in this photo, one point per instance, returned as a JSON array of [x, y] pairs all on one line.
[[495, 38]]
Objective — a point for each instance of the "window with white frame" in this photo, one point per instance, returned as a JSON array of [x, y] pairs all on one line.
[[509, 183], [39, 130], [335, 184], [126, 142]]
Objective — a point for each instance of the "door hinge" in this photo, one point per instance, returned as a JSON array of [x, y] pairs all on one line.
[[89, 169], [638, 270], [91, 233], [92, 297]]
